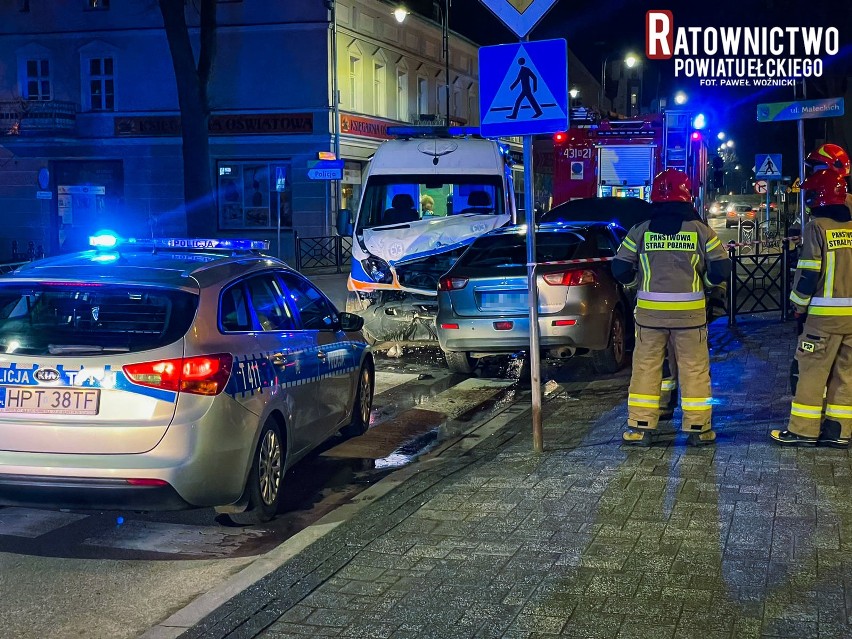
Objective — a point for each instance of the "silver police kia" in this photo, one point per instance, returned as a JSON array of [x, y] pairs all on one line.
[[167, 374]]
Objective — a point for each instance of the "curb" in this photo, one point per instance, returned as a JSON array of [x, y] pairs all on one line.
[[194, 612]]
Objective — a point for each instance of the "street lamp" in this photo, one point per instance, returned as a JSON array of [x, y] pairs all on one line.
[[729, 143], [574, 93], [680, 98], [630, 61], [721, 135], [400, 13]]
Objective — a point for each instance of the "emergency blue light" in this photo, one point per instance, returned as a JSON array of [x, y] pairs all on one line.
[[699, 122], [103, 240], [202, 243]]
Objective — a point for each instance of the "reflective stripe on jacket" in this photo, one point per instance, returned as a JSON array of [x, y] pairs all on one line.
[[823, 281], [670, 272]]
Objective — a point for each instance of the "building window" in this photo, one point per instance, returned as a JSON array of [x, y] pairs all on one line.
[[252, 194], [96, 5], [355, 83], [101, 84], [37, 86], [402, 95], [422, 95], [380, 95]]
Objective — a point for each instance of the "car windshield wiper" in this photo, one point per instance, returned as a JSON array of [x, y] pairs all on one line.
[[60, 349]]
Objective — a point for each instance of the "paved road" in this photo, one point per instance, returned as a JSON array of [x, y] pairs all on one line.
[[101, 574]]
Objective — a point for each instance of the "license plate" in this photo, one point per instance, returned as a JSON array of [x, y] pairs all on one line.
[[41, 400], [504, 300]]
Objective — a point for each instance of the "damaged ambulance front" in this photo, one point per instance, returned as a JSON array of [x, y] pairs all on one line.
[[425, 200]]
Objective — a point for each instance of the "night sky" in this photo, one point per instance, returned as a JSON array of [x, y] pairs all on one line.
[[598, 28]]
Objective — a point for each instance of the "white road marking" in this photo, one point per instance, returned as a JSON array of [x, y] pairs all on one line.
[[385, 381], [173, 538], [31, 523]]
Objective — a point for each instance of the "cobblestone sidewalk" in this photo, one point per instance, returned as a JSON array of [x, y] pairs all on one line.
[[591, 539]]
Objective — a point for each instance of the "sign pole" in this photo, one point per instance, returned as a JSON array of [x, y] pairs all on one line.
[[768, 191], [800, 130], [535, 353]]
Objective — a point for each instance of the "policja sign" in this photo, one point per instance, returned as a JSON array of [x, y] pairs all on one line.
[[521, 16]]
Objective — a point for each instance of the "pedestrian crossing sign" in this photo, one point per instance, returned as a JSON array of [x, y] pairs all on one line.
[[768, 166], [523, 88]]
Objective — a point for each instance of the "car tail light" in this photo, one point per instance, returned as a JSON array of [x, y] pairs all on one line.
[[564, 322], [452, 283], [203, 375], [147, 482], [503, 326], [449, 326], [574, 277]]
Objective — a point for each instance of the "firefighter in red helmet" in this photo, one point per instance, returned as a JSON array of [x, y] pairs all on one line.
[[671, 257], [822, 289]]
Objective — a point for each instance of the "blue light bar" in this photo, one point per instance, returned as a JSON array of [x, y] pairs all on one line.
[[199, 243], [108, 241]]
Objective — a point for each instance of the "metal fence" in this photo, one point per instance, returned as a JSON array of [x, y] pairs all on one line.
[[760, 283], [323, 252]]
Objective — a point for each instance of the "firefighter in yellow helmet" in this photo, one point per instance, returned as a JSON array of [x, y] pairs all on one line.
[[822, 288], [671, 257]]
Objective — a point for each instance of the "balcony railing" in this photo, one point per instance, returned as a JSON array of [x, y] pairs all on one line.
[[32, 117]]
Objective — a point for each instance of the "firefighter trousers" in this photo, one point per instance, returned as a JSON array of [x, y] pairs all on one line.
[[693, 371], [825, 370], [668, 389]]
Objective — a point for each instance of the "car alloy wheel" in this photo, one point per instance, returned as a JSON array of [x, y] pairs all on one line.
[[618, 338], [269, 467], [365, 395]]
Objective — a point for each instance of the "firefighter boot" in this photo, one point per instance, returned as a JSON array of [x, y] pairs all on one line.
[[701, 439], [787, 438], [829, 435], [645, 437]]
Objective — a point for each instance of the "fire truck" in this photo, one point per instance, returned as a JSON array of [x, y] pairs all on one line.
[[619, 158]]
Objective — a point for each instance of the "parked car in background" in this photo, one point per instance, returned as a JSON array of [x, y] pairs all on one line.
[[737, 213], [624, 211], [483, 306]]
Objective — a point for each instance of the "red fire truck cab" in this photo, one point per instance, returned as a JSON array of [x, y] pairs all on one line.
[[619, 158]]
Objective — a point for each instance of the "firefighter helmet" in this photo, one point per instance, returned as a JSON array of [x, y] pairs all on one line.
[[824, 188], [671, 185], [834, 156]]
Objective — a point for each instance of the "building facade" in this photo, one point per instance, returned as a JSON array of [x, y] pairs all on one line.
[[90, 127]]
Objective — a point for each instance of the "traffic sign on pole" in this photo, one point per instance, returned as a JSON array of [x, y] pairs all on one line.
[[519, 15], [523, 88], [761, 187], [767, 166], [325, 174]]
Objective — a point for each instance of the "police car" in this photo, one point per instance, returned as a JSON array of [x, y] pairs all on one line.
[[170, 373]]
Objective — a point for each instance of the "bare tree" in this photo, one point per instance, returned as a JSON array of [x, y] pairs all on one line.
[[193, 81]]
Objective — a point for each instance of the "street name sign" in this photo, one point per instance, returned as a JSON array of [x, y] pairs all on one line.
[[800, 110], [519, 15], [523, 88]]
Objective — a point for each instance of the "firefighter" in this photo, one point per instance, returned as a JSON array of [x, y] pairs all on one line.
[[822, 289], [672, 256], [832, 157]]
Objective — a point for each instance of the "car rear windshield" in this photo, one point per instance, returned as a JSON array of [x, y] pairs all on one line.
[[91, 319], [510, 249]]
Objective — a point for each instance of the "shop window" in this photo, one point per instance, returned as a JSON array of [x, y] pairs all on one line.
[[100, 83], [37, 82], [252, 194]]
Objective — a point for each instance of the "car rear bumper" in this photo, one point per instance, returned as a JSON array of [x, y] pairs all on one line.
[[86, 493], [479, 334]]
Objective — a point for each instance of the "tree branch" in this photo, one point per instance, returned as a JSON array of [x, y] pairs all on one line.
[[207, 51]]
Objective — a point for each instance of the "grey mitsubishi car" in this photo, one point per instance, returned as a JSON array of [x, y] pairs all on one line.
[[483, 306]]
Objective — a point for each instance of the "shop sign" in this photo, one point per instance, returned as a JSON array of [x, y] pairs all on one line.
[[369, 127], [237, 124]]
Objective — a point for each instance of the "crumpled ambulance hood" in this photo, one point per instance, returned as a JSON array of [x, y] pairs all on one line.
[[401, 243]]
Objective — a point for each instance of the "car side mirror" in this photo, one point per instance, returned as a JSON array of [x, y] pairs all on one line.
[[350, 322], [344, 222]]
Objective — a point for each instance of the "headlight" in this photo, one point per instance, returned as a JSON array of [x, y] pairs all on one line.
[[378, 270]]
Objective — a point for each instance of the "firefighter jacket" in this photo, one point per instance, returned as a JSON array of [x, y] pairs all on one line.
[[822, 286], [671, 257]]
